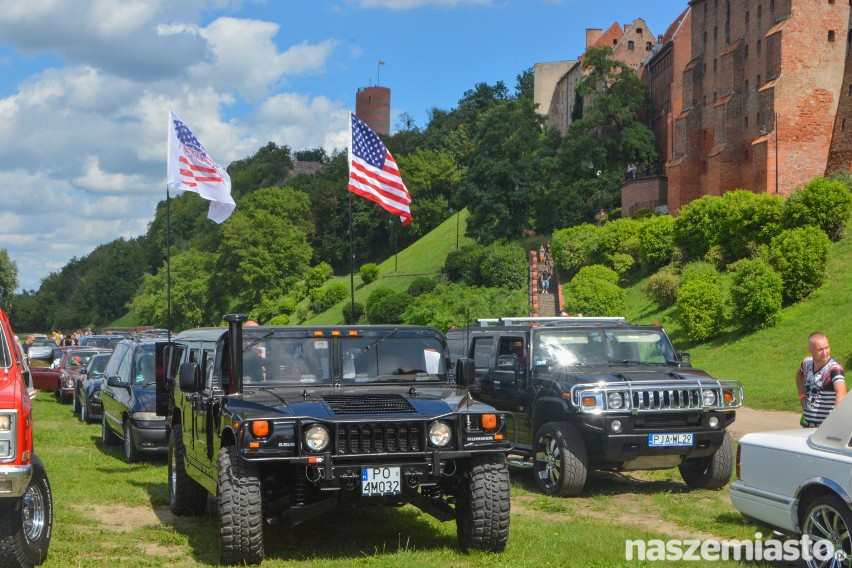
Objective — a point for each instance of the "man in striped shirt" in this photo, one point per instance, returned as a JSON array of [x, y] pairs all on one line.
[[820, 381]]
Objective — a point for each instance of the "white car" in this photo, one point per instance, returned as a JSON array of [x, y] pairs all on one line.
[[799, 482]]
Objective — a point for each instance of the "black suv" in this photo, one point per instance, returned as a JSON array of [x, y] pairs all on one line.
[[599, 393], [282, 424], [128, 399]]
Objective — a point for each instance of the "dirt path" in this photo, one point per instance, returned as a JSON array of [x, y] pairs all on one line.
[[751, 420]]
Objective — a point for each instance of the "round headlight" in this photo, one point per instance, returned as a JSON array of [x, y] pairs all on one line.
[[614, 400], [316, 438], [709, 397], [439, 433]]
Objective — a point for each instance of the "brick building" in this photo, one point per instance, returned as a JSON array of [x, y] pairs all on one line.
[[555, 83], [372, 105], [758, 98]]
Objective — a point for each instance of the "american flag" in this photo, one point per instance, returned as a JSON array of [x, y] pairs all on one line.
[[190, 168], [373, 172]]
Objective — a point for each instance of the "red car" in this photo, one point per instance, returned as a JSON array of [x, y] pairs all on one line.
[[73, 359], [44, 366]]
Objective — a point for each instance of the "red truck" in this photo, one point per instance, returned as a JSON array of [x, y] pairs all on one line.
[[26, 502]]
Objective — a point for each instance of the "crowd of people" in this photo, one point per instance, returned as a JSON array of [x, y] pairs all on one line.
[[545, 269]]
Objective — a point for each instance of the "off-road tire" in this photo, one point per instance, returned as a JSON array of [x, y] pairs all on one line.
[[186, 496], [26, 524], [482, 505], [559, 459], [107, 436], [131, 454], [827, 517], [240, 510], [712, 472]]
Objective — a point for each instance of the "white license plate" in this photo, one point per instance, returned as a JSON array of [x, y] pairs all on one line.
[[376, 481], [670, 439]]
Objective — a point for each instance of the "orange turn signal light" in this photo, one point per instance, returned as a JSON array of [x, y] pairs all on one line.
[[488, 421], [260, 428], [589, 401], [254, 445], [728, 396]]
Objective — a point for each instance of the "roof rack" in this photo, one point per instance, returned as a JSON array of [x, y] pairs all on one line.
[[566, 320]]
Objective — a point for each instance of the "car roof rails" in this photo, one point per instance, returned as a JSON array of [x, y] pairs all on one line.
[[546, 321]]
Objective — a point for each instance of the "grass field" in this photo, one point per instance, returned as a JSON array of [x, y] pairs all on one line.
[[108, 513]]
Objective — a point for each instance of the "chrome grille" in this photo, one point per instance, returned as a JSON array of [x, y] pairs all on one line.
[[666, 399], [380, 437]]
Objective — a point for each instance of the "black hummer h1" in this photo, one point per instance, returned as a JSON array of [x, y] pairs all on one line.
[[283, 423], [600, 394]]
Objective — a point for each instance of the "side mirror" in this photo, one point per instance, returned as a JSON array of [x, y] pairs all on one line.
[[465, 371], [189, 377], [83, 372], [115, 381], [507, 363], [683, 359]]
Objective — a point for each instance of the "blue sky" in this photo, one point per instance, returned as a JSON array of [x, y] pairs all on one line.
[[85, 88]]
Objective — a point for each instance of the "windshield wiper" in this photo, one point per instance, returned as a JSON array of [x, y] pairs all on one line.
[[376, 342], [255, 342]]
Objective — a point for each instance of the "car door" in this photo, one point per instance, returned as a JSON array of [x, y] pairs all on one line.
[[110, 393]]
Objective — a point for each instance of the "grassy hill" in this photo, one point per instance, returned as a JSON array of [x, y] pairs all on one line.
[[766, 360], [424, 258]]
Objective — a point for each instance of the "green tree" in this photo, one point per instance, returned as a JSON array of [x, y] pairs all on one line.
[[756, 292], [8, 279], [824, 202], [264, 245], [575, 247], [191, 294], [799, 257], [746, 220], [656, 242], [594, 291], [267, 168]]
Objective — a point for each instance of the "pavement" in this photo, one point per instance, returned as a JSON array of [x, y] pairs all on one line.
[[751, 420]]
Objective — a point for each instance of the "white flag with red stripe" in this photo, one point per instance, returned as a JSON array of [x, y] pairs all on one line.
[[373, 172], [191, 169]]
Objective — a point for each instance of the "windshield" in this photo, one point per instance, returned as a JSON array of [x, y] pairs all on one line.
[[594, 347], [287, 360], [392, 358], [272, 359]]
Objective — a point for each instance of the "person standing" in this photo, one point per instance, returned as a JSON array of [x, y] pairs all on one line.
[[28, 343], [545, 281], [820, 381]]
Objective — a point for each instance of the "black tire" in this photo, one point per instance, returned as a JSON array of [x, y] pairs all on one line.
[[559, 459], [186, 496], [26, 524], [107, 437], [482, 506], [828, 518], [131, 454], [76, 402], [712, 472], [240, 510]]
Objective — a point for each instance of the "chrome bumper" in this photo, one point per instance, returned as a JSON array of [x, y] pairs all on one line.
[[14, 480]]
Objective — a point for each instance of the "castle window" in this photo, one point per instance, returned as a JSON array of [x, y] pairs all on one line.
[[630, 45], [746, 50], [746, 121], [639, 30], [715, 66], [648, 46], [830, 35], [747, 15], [758, 47], [831, 1], [771, 5], [759, 11]]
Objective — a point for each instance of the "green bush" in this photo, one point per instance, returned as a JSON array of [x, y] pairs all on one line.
[[421, 285], [799, 257], [746, 220], [656, 242], [317, 275], [504, 266], [281, 319], [369, 272], [594, 292], [348, 313], [574, 248], [697, 225], [463, 265], [324, 298], [822, 202], [700, 301], [662, 287], [388, 308], [756, 294], [375, 298], [617, 239], [458, 305]]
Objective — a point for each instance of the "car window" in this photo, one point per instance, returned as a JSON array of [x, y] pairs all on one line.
[[143, 372], [115, 360], [125, 367]]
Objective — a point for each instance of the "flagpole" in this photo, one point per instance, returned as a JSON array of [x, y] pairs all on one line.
[[168, 231], [351, 245]]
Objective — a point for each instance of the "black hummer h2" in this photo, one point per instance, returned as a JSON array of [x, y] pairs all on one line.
[[600, 394], [283, 423]]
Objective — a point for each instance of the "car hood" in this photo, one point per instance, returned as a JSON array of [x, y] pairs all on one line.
[[144, 399], [335, 402], [637, 373]]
